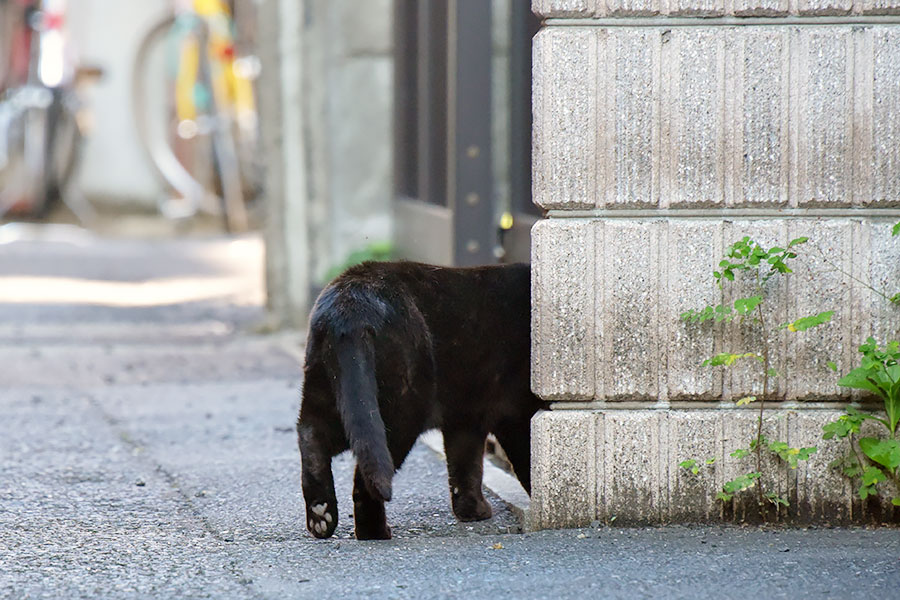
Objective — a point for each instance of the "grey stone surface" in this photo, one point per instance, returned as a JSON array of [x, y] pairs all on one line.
[[632, 124], [885, 130], [635, 454], [631, 8], [769, 116], [629, 347], [565, 113], [586, 9], [608, 293], [824, 7], [689, 247], [824, 116], [758, 151], [761, 8], [564, 8], [568, 488], [693, 163], [562, 321]]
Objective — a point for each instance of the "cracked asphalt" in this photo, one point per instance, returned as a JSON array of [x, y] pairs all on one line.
[[147, 451]]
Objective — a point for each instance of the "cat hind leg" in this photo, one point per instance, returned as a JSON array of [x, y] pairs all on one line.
[[317, 481], [465, 467]]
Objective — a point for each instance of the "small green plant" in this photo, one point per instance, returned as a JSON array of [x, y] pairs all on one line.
[[872, 460], [760, 265], [378, 251]]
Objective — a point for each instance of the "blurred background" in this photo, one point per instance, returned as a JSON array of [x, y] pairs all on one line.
[[325, 131]]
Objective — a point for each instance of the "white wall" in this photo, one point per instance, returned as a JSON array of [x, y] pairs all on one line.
[[107, 33]]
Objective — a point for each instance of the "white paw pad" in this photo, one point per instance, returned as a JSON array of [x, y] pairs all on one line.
[[319, 518]]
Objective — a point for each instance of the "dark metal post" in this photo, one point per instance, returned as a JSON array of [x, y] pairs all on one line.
[[470, 184]]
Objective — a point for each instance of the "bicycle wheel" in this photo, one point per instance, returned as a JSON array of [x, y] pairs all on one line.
[[22, 160], [179, 152], [63, 143], [193, 154]]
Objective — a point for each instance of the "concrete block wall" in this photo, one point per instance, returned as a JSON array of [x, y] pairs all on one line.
[[661, 138]]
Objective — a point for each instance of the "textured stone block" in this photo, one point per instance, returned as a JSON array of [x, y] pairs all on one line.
[[879, 266], [564, 133], [634, 468], [760, 8], [739, 429], [829, 495], [817, 286], [692, 251], [823, 116], [638, 117], [885, 126], [759, 153], [696, 8], [693, 117], [608, 294], [745, 378], [565, 8], [623, 465], [693, 435], [630, 131], [563, 334], [878, 7], [563, 467], [629, 346], [824, 7], [632, 8]]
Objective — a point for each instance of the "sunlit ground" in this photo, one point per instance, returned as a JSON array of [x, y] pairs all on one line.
[[168, 272]]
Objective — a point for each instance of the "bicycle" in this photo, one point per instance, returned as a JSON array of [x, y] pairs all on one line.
[[41, 115], [195, 110]]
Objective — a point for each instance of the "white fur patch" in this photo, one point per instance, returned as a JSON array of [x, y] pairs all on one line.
[[319, 509]]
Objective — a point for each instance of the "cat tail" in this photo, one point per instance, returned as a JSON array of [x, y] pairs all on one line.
[[357, 402]]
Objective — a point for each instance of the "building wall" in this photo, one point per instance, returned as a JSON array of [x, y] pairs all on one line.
[[107, 33], [659, 140]]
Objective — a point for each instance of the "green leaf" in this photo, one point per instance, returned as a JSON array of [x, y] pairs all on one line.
[[740, 453], [745, 400], [687, 464], [865, 491], [742, 482], [895, 501], [772, 372], [832, 365], [804, 323], [840, 429], [858, 379], [883, 452], [711, 460], [798, 241], [727, 359], [872, 476], [776, 499], [746, 305], [724, 497], [896, 229]]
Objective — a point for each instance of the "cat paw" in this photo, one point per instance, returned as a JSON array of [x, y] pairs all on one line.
[[373, 532], [321, 519], [471, 509]]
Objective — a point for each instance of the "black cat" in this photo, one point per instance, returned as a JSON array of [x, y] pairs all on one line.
[[395, 349]]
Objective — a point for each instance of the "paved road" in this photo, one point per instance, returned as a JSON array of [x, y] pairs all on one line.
[[147, 451]]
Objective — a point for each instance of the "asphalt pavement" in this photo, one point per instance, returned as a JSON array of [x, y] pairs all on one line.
[[147, 451]]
